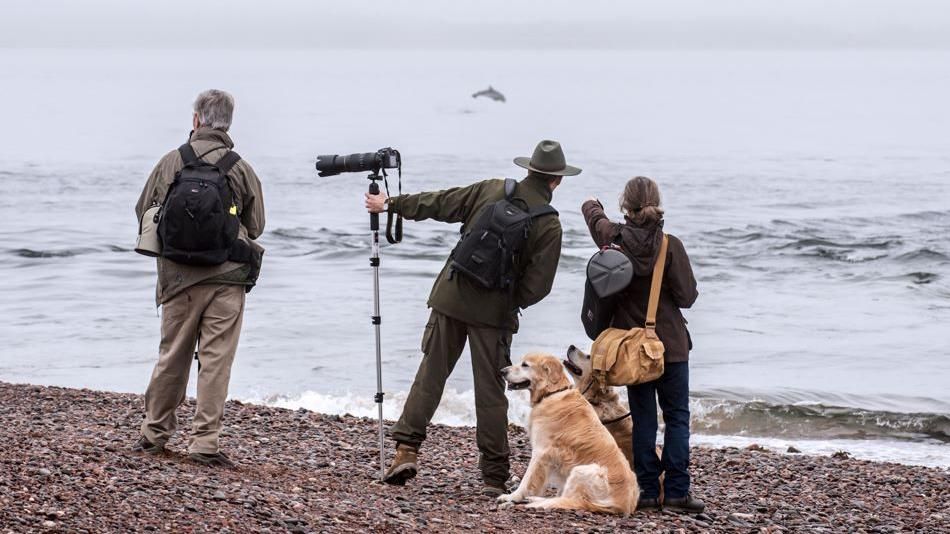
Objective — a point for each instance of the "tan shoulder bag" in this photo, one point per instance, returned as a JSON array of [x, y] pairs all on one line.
[[628, 357]]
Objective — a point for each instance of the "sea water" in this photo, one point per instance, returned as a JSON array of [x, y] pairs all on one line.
[[811, 190]]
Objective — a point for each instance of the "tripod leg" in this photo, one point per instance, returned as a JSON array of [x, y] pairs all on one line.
[[377, 320]]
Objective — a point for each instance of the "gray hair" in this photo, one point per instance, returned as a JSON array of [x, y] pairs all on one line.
[[214, 109]]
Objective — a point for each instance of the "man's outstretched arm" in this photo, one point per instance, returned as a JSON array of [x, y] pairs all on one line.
[[448, 205]]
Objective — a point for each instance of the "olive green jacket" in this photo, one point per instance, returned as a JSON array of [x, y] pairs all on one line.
[[456, 295], [173, 278]]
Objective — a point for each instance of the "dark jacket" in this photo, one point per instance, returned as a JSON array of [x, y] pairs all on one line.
[[641, 244], [173, 278], [459, 297]]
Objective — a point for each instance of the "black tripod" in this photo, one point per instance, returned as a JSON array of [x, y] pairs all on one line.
[[377, 320]]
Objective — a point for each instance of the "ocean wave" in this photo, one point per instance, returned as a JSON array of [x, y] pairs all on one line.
[[64, 252], [923, 254], [872, 243], [719, 416], [815, 421], [909, 239], [456, 409], [917, 277]]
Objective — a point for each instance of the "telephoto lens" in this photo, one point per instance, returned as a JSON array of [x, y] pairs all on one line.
[[332, 165]]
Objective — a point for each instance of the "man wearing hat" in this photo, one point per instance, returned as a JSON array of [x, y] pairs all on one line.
[[465, 310]]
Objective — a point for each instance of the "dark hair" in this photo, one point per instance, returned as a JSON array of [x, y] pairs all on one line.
[[640, 201], [540, 175]]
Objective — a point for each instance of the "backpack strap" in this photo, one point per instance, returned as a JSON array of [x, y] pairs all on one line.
[[545, 209], [227, 162], [510, 185], [656, 285], [188, 155]]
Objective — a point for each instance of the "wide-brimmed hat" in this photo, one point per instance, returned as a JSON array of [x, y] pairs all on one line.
[[548, 158]]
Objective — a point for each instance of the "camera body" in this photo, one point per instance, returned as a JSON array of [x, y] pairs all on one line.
[[384, 158]]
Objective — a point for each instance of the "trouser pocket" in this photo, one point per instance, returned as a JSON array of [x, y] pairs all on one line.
[[428, 335], [504, 349]]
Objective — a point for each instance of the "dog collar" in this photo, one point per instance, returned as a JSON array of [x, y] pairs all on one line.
[[615, 419], [546, 395]]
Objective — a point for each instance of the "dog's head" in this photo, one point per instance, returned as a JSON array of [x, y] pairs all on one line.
[[541, 374], [580, 368], [578, 365]]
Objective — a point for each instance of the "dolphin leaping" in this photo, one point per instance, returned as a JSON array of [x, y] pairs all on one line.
[[490, 93]]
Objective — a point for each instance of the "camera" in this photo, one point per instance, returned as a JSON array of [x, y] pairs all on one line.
[[384, 158]]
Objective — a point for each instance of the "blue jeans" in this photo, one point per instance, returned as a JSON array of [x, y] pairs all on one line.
[[672, 389]]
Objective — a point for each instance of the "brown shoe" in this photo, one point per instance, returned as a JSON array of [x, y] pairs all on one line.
[[145, 446], [218, 459], [404, 466]]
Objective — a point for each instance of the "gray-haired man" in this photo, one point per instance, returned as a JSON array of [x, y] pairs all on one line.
[[203, 305]]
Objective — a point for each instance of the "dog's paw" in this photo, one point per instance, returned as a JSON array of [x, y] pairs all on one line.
[[508, 499], [539, 502]]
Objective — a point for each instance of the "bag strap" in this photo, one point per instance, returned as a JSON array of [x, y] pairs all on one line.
[[227, 162], [657, 283], [545, 209], [188, 156], [510, 185]]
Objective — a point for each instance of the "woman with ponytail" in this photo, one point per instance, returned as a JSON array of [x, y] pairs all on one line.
[[640, 237]]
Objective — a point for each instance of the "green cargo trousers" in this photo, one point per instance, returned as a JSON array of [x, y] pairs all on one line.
[[442, 345]]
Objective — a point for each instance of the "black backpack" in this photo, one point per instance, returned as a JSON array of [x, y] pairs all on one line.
[[199, 219], [488, 247]]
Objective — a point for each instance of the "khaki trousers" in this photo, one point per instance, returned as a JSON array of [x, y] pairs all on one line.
[[209, 316], [442, 345]]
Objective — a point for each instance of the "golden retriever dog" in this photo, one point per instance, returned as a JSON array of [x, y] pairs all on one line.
[[614, 415], [571, 450]]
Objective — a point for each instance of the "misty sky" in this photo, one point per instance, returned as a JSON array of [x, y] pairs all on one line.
[[489, 24]]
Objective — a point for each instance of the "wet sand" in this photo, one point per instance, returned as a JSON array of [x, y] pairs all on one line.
[[66, 466]]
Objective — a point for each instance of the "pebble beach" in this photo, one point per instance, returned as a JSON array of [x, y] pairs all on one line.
[[66, 466]]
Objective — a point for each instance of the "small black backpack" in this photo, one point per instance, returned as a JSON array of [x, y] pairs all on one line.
[[487, 249], [199, 220]]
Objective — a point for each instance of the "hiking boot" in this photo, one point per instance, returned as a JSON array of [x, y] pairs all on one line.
[[218, 459], [404, 466], [145, 446], [648, 504], [684, 505], [494, 489]]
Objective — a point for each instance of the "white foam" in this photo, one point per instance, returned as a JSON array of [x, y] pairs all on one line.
[[902, 452], [458, 409]]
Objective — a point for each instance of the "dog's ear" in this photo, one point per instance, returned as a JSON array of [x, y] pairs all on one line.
[[541, 382], [554, 374]]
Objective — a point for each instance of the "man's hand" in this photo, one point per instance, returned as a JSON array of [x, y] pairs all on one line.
[[376, 203]]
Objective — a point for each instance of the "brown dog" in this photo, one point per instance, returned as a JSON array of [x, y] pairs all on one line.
[[570, 449], [613, 415]]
